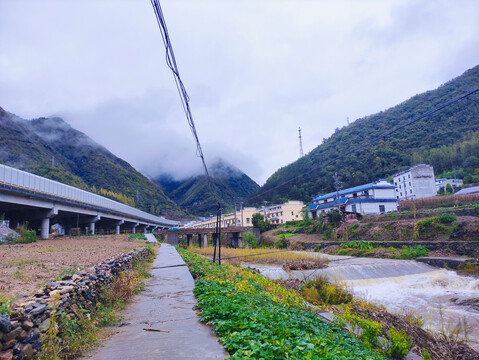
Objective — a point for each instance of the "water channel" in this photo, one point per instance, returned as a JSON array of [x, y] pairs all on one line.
[[443, 299]]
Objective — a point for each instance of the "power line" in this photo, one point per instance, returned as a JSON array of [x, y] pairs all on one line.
[[185, 99], [185, 102], [368, 142]]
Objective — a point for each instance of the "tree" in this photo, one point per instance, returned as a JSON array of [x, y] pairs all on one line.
[[449, 189], [259, 222]]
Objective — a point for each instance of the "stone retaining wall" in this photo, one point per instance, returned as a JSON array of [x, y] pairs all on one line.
[[469, 248], [20, 334]]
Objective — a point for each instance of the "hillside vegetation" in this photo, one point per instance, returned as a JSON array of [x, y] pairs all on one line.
[[78, 161], [447, 139], [229, 184]]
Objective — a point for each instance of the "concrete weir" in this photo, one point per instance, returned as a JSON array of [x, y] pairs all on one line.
[[167, 305]]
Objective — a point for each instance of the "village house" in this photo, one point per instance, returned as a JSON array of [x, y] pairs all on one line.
[[442, 183], [415, 183], [373, 198], [289, 211], [276, 214]]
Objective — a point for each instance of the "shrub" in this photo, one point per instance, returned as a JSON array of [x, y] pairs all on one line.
[[282, 243], [250, 239], [399, 344], [447, 218], [322, 291]]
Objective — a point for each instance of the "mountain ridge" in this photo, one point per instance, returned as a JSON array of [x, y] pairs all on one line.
[[384, 156]]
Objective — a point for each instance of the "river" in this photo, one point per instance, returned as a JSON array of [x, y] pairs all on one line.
[[444, 300]]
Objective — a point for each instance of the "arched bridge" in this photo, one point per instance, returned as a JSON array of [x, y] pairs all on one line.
[[43, 202]]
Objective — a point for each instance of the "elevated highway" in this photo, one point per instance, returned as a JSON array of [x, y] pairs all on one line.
[[41, 202]]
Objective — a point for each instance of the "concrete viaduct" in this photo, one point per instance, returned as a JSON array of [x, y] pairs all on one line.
[[44, 202], [232, 236]]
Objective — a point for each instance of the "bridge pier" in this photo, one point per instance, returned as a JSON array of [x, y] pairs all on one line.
[[189, 239], [68, 229], [205, 240], [45, 229], [133, 228], [199, 240], [117, 226], [91, 224]]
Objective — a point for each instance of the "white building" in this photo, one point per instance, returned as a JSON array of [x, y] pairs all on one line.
[[373, 198], [442, 183], [415, 183], [276, 214]]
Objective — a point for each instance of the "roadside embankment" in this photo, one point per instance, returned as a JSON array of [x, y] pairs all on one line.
[[32, 320]]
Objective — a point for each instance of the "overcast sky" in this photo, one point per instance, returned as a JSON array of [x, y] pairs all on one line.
[[255, 71]]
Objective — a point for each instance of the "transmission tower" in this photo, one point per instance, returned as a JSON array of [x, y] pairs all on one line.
[[301, 153]]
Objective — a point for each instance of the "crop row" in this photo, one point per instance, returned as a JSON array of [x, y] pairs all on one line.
[[256, 318]]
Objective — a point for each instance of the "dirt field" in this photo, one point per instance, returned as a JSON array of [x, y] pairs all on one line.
[[24, 267]]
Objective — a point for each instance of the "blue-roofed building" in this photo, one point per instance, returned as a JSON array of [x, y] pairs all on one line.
[[373, 198]]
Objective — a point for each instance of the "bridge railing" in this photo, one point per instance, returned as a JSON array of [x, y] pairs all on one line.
[[25, 180]]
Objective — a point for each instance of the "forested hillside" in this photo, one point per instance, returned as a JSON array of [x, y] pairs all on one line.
[[78, 161], [229, 184], [422, 141]]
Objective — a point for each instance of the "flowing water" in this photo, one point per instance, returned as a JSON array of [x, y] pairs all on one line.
[[444, 300]]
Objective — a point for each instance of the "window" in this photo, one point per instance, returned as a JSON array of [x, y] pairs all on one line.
[[409, 183], [382, 209], [399, 186], [296, 215], [395, 183], [281, 221], [397, 197], [292, 213], [396, 190], [409, 176], [404, 178], [353, 208], [400, 193], [355, 195], [410, 191], [247, 220]]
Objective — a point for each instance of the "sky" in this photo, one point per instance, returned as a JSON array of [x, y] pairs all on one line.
[[255, 71]]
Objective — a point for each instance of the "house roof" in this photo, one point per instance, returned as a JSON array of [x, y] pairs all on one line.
[[373, 185], [345, 200], [469, 190]]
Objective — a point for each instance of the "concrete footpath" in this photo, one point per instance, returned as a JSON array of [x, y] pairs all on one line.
[[166, 304]]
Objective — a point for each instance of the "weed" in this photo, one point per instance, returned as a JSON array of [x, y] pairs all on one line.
[[70, 271], [426, 355], [5, 304], [321, 291], [399, 344], [139, 237], [263, 256]]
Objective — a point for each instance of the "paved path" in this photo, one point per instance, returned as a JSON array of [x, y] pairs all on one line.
[[151, 238], [166, 304]]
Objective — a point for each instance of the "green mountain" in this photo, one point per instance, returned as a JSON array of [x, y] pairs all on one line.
[[228, 185], [51, 148], [386, 155]]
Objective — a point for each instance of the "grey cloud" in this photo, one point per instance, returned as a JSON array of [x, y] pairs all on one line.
[[255, 71]]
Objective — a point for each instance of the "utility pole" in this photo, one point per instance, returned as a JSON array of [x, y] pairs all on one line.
[[241, 209], [234, 200], [347, 120], [301, 153], [264, 210], [337, 186]]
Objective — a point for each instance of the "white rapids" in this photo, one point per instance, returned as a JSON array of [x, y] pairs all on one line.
[[444, 300]]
